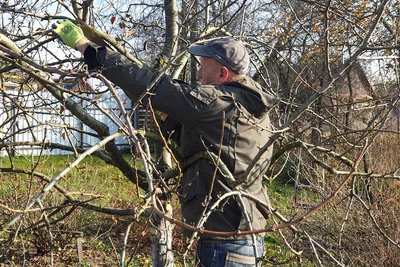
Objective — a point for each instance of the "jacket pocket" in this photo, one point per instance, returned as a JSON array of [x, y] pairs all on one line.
[[206, 94], [191, 198]]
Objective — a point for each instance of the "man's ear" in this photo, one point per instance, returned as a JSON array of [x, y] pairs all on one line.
[[223, 75]]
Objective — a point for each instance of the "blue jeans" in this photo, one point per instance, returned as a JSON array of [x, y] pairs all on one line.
[[228, 253]]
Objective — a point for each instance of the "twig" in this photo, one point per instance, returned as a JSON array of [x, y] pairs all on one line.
[[125, 242], [338, 73], [273, 227], [178, 167], [50, 232], [369, 211], [345, 219], [50, 185], [319, 263], [248, 221]]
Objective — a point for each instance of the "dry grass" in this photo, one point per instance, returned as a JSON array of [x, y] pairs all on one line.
[[357, 231], [102, 234]]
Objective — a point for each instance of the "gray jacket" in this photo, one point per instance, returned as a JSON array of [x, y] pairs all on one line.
[[239, 107]]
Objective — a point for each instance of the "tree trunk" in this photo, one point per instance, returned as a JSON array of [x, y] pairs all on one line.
[[161, 240], [161, 229], [172, 29]]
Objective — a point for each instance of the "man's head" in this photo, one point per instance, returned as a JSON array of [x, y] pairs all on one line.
[[221, 60]]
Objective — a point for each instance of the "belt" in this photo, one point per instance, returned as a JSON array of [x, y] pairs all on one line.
[[238, 241]]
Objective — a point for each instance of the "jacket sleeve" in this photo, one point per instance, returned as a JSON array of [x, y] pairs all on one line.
[[169, 96]]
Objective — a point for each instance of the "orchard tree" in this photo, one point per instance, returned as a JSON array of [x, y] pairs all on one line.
[[334, 65]]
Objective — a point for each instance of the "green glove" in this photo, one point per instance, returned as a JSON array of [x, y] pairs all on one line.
[[69, 33]]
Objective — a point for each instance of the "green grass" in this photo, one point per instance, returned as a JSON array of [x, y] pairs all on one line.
[[93, 177], [280, 192], [102, 233]]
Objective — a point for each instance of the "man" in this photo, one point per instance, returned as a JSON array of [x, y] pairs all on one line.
[[226, 114]]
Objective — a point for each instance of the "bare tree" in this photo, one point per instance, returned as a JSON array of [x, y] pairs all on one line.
[[333, 64]]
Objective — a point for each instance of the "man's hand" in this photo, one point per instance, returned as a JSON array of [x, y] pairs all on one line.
[[69, 33]]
